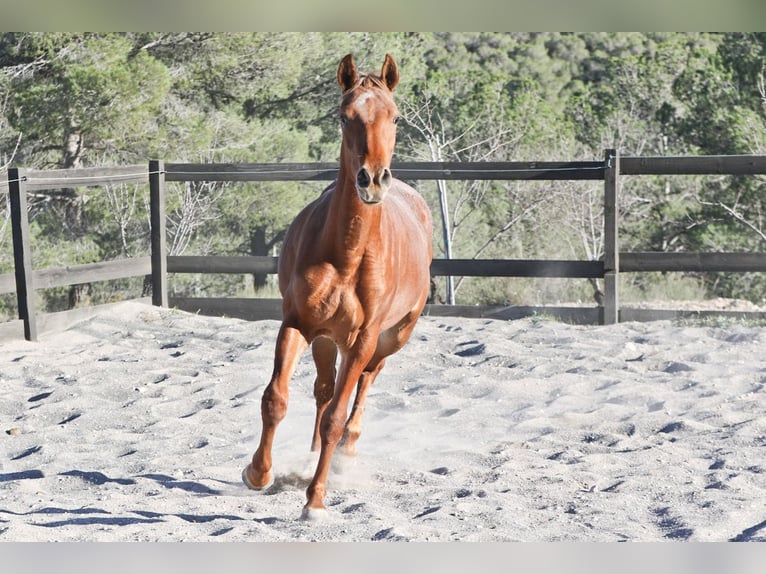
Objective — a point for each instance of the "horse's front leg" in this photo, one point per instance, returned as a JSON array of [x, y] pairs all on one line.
[[290, 344], [334, 419], [324, 352]]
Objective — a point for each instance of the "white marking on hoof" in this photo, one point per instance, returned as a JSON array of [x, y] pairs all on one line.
[[314, 514], [250, 485]]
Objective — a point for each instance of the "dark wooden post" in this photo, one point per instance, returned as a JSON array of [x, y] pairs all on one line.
[[22, 252], [158, 233], [611, 238]]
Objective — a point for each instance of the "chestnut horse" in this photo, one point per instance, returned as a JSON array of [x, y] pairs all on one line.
[[354, 276]]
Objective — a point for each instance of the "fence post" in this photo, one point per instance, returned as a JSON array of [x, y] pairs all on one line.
[[158, 235], [611, 238], [22, 252]]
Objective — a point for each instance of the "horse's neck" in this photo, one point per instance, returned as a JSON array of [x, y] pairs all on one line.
[[349, 224]]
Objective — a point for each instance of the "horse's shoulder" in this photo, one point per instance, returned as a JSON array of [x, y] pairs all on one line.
[[410, 200], [406, 190]]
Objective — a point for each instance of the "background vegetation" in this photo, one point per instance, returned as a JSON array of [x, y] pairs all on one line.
[[85, 99]]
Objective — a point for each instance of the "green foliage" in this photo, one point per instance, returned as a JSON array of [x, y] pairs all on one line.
[[88, 86]]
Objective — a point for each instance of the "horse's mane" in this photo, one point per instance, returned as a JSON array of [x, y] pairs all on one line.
[[367, 81], [371, 81]]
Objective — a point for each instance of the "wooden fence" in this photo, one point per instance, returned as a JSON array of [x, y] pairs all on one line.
[[26, 280]]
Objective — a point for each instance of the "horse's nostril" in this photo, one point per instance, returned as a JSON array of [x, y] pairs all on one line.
[[385, 178], [363, 179]]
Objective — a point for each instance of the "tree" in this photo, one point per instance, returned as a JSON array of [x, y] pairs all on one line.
[[464, 112], [82, 96]]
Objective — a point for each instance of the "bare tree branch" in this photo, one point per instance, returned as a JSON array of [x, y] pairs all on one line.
[[737, 217], [196, 207], [122, 201]]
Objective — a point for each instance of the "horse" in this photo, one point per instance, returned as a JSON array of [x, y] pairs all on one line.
[[354, 273]]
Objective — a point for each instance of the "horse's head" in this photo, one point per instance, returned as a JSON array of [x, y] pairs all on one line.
[[368, 117]]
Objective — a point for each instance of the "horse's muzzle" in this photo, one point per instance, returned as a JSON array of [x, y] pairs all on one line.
[[373, 187]]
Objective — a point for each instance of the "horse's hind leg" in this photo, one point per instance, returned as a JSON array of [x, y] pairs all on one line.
[[290, 344], [325, 353], [389, 343], [354, 424]]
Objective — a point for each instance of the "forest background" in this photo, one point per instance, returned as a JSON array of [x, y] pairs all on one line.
[[71, 100]]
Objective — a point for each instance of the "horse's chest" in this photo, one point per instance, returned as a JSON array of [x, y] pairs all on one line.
[[329, 301]]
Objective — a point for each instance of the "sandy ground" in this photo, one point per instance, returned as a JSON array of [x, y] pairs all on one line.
[[135, 426]]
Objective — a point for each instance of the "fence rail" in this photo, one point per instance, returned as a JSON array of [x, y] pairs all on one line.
[[25, 280], [699, 262], [41, 180], [550, 170], [439, 267], [80, 274], [694, 165]]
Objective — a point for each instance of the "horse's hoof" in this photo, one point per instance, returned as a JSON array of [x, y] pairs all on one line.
[[251, 483], [314, 514]]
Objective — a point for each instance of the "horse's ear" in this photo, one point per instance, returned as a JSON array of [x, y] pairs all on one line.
[[390, 72], [347, 75]]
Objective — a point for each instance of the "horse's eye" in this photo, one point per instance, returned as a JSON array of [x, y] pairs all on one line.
[[396, 120], [343, 121]]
